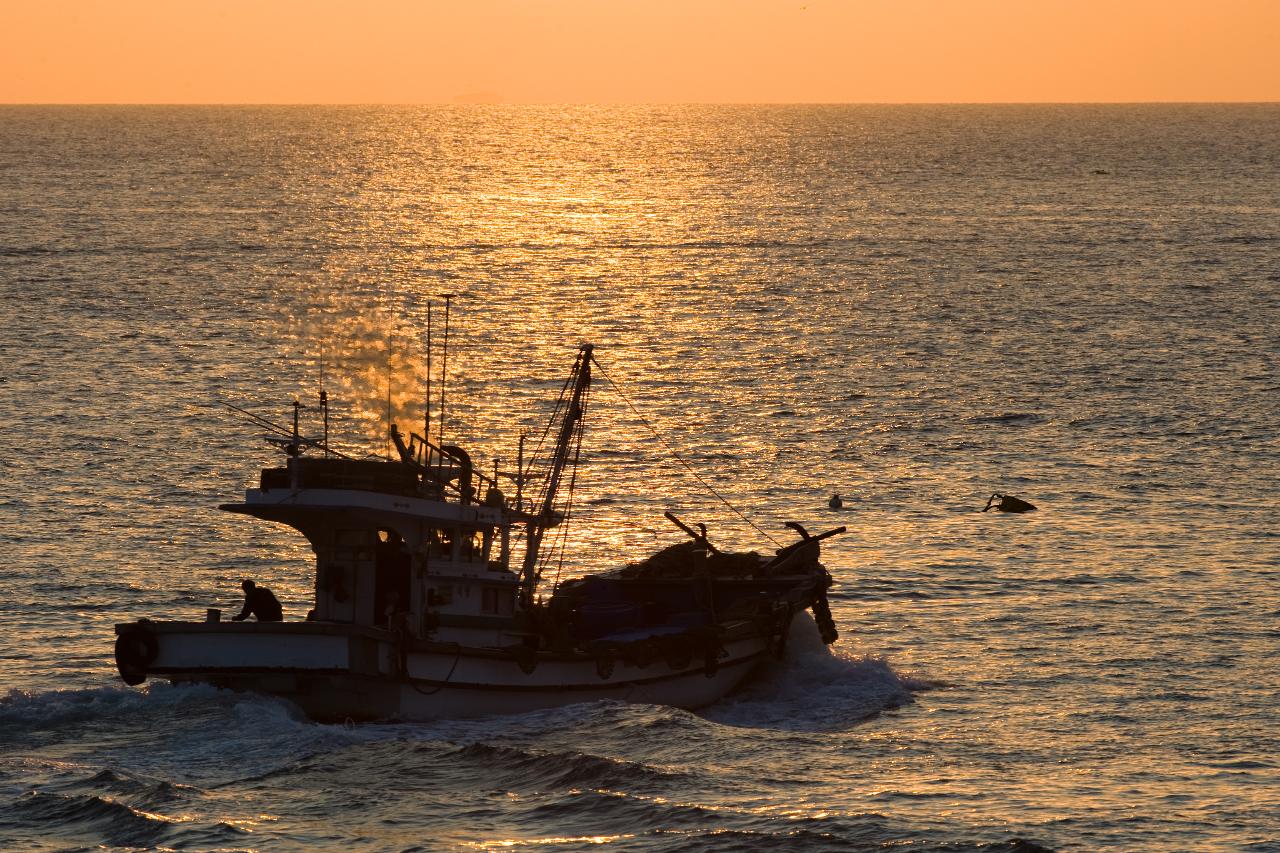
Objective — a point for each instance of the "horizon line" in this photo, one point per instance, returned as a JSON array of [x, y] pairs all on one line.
[[502, 103]]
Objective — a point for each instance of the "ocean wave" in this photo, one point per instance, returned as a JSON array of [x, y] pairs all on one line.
[[188, 732], [26, 709], [521, 767], [54, 709], [627, 812], [116, 823], [1007, 419]]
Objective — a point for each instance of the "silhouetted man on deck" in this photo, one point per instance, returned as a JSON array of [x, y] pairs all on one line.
[[261, 602]]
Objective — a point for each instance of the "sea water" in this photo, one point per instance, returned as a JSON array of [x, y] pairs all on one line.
[[915, 307]]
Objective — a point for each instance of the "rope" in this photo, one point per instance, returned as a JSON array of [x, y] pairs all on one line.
[[534, 459], [573, 480], [457, 653], [677, 456]]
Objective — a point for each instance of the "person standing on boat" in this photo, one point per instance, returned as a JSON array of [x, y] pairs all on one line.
[[261, 602]]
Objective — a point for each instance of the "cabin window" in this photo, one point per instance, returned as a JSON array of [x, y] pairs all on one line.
[[489, 600], [472, 545], [438, 544], [440, 595]]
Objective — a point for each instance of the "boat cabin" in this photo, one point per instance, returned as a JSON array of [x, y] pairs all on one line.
[[391, 550]]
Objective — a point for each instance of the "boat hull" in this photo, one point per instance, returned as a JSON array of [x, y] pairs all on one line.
[[339, 672]]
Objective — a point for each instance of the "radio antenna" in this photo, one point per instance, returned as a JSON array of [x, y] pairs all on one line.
[[391, 332], [426, 416], [444, 363], [324, 408], [324, 397]]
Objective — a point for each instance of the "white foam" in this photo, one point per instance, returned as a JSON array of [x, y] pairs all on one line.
[[816, 687]]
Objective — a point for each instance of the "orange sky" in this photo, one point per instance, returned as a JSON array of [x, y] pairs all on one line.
[[399, 51]]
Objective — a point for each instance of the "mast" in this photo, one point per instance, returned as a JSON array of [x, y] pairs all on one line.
[[545, 518]]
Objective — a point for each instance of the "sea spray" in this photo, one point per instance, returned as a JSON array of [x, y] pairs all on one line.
[[816, 687]]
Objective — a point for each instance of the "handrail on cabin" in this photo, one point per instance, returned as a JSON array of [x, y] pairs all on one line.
[[436, 461]]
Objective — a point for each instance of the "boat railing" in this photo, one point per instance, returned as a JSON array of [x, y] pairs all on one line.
[[449, 467]]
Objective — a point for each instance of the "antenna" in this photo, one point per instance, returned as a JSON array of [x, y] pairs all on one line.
[[322, 356], [391, 331], [324, 398], [444, 366], [295, 445], [324, 407], [520, 475], [426, 416]]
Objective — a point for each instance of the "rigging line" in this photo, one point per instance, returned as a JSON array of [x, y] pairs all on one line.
[[259, 421], [573, 481], [563, 409], [285, 432], [562, 404], [677, 456], [546, 431], [559, 541], [263, 423], [575, 423], [559, 545]]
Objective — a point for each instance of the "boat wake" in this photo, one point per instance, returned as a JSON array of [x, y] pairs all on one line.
[[196, 767], [817, 688], [191, 732]]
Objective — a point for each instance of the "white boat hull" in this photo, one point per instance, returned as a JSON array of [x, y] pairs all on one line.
[[336, 672]]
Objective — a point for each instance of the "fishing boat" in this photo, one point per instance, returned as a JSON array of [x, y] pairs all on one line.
[[429, 601]]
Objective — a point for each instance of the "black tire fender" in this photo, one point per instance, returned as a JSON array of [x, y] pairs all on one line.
[[136, 649]]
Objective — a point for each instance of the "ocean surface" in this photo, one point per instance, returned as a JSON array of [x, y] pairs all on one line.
[[914, 307]]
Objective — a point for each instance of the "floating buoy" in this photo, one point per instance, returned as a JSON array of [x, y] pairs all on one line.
[[1007, 503], [835, 502]]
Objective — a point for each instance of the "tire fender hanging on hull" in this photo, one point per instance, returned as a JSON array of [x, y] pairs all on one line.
[[136, 650]]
